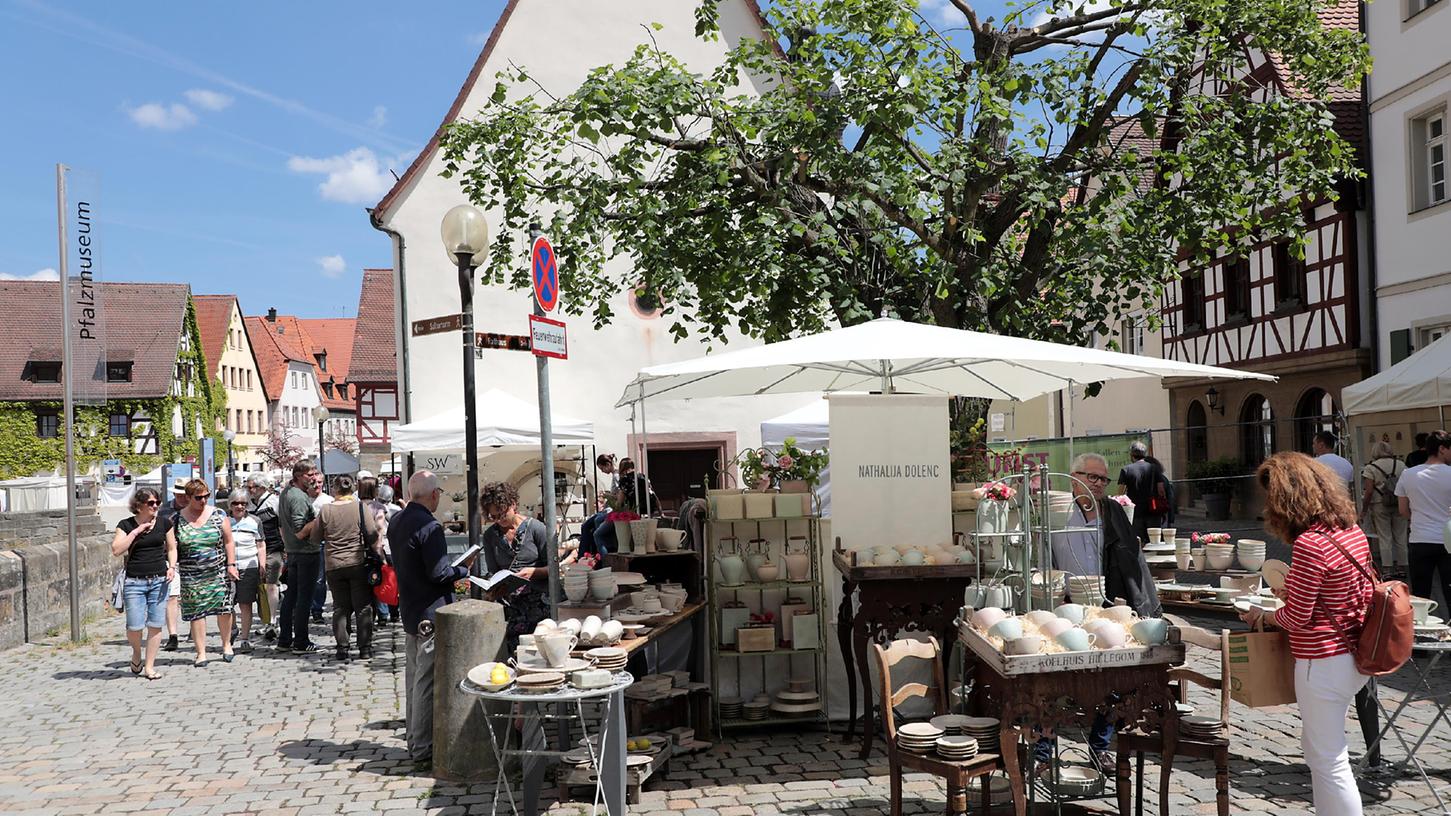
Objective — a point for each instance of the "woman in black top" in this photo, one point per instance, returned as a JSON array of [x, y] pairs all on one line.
[[150, 566], [521, 545]]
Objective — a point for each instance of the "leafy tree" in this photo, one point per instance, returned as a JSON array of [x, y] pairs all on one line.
[[1036, 176], [280, 452]]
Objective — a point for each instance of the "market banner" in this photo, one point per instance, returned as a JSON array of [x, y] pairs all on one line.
[[891, 482], [82, 306], [1006, 458]]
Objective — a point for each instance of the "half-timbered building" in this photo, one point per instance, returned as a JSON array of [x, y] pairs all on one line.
[[1263, 307], [374, 370]]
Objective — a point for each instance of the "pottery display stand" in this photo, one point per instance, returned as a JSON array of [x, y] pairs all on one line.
[[804, 657], [890, 601], [583, 776]]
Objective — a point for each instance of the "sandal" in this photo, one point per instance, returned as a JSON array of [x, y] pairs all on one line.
[[228, 657], [152, 675], [201, 664], [136, 667]]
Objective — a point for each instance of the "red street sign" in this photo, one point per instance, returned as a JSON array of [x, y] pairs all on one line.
[[545, 274], [547, 338], [503, 342]]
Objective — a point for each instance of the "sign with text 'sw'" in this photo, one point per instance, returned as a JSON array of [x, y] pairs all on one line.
[[83, 310]]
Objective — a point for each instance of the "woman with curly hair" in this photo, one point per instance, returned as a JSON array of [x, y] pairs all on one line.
[[150, 564], [1326, 596], [521, 545]]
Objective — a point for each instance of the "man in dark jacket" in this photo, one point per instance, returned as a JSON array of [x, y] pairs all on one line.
[[425, 582]]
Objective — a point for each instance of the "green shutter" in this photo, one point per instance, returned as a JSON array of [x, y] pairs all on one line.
[[1400, 345]]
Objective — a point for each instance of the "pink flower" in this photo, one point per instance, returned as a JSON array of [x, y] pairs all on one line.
[[1123, 500], [785, 460]]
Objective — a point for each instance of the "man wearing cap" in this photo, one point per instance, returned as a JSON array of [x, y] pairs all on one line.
[[168, 513]]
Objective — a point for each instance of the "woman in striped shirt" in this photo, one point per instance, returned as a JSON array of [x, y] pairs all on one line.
[[1325, 604]]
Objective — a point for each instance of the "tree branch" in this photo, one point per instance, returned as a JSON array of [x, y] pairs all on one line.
[[1060, 24]]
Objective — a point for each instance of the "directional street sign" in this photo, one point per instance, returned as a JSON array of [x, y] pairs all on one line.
[[504, 342], [545, 273], [547, 338], [438, 325]]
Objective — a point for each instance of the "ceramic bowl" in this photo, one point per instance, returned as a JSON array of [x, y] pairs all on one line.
[[988, 617], [1007, 629], [1056, 627], [1038, 617], [1220, 561], [1025, 645], [1072, 613]]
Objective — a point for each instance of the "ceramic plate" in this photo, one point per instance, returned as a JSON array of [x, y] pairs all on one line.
[[629, 578], [479, 676], [1431, 629], [920, 729], [1267, 604], [636, 760], [1274, 572]]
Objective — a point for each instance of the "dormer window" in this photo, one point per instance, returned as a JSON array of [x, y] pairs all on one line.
[[41, 371], [118, 372], [321, 358], [327, 388]]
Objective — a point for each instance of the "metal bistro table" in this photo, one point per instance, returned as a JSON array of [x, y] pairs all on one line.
[[608, 763], [1423, 691]]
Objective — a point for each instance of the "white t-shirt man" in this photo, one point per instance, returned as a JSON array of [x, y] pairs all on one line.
[[1339, 464], [1428, 489]]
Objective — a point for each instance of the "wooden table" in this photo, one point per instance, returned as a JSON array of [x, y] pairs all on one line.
[[890, 601], [656, 629], [1055, 691]]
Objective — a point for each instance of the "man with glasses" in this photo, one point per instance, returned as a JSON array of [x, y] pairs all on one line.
[[296, 520], [426, 577]]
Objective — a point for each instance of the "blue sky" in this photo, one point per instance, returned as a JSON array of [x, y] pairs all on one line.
[[236, 144]]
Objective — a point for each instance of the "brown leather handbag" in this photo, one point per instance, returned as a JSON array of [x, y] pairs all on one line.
[[1390, 624]]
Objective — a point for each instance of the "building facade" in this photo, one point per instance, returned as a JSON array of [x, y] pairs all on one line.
[[234, 368], [374, 371], [304, 366], [1410, 110], [158, 401], [1260, 307]]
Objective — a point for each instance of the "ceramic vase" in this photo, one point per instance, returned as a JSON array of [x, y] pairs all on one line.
[[731, 569]]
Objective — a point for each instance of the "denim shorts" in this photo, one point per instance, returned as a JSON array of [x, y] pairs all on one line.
[[145, 603]]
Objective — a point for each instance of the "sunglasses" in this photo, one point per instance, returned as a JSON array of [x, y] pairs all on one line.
[[239, 504], [151, 503], [203, 497]]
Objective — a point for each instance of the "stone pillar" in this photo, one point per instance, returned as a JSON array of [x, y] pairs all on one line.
[[467, 633]]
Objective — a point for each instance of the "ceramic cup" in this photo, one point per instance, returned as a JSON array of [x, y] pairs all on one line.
[[1007, 629], [591, 628], [914, 558], [1072, 613], [555, 648], [1055, 627], [987, 617], [1182, 560], [887, 556], [1038, 617], [612, 630], [1422, 608], [572, 626], [1119, 614], [1154, 533], [1198, 558], [1026, 645], [1151, 631], [545, 626], [1076, 640], [1110, 634]]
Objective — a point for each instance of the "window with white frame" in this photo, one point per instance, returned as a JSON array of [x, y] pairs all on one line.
[[1133, 335], [1426, 335], [1428, 160], [1415, 7]]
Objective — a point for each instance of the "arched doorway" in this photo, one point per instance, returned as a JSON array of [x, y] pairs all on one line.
[[1256, 430], [1314, 412], [1197, 425]]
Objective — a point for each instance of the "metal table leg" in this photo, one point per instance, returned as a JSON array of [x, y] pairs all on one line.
[[1424, 692]]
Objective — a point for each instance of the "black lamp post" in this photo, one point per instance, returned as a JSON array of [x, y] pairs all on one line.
[[229, 435], [320, 414], [466, 240]]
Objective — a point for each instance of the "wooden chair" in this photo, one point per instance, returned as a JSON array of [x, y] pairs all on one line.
[[958, 775], [1169, 743]]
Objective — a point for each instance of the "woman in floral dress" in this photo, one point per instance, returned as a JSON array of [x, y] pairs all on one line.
[[208, 563]]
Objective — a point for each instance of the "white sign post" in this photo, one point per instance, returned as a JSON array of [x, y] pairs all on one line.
[[891, 481]]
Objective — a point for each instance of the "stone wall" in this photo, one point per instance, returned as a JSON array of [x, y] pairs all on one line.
[[35, 573]]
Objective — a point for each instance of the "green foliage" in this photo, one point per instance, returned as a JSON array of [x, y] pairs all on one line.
[[861, 162], [22, 453], [791, 463], [1216, 475]]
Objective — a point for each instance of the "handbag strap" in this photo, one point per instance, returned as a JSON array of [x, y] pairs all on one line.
[[1371, 576]]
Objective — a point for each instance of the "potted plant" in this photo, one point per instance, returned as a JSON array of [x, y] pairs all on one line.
[[792, 469], [1215, 481]]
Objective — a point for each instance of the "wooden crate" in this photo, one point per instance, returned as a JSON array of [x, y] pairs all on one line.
[[756, 638], [1010, 665]]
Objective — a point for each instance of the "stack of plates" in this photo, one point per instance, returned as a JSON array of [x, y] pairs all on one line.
[[1086, 589], [985, 731], [793, 703], [1251, 553], [539, 682], [956, 748], [1201, 728], [1433, 627], [951, 724], [609, 658], [579, 756], [1219, 556], [756, 709], [918, 737], [730, 708]]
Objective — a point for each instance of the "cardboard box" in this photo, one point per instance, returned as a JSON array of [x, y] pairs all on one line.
[[760, 505], [790, 608], [804, 633], [756, 638], [731, 619], [789, 505], [1261, 669], [728, 506]]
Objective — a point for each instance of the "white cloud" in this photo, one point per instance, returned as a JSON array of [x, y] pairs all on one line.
[[942, 12], [358, 176], [163, 117], [379, 117], [1061, 10], [47, 274], [478, 39], [332, 265], [208, 100]]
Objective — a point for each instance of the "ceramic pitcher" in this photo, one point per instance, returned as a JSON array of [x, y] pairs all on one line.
[[798, 563], [756, 558]]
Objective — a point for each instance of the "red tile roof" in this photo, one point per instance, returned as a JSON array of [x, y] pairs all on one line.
[[274, 351], [1344, 104], [375, 350], [288, 338], [213, 317], [333, 336], [380, 212], [143, 326]]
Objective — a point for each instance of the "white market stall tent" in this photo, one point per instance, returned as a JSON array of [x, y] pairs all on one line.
[[503, 419], [809, 425], [1422, 380], [894, 356]]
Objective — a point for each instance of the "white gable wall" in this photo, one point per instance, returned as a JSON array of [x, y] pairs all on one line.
[[559, 42]]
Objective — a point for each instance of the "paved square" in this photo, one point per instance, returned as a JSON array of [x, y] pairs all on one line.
[[282, 735]]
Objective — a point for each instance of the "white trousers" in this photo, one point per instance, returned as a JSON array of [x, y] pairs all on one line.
[[1325, 689]]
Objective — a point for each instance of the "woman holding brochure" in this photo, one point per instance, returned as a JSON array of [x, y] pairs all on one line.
[[519, 545]]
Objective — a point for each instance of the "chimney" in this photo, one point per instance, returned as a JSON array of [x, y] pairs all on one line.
[[272, 315]]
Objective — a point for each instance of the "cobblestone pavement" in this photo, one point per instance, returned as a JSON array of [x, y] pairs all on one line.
[[283, 735]]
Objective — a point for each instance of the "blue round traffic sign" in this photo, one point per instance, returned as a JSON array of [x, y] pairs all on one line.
[[545, 274]]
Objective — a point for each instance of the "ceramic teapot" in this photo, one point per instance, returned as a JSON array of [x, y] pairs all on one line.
[[798, 562], [730, 568], [756, 557]]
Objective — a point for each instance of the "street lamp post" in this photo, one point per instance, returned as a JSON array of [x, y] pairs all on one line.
[[229, 435], [466, 240], [320, 414]]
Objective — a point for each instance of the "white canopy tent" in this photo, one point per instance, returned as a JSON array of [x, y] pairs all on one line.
[[1422, 380], [810, 426], [503, 420]]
